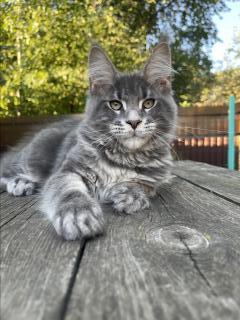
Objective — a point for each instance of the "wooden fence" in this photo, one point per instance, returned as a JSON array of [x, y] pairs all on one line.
[[201, 133]]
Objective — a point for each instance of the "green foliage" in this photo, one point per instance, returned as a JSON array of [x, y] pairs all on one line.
[[45, 46], [44, 62], [224, 84]]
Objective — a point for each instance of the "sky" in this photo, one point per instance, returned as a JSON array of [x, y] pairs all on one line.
[[226, 26]]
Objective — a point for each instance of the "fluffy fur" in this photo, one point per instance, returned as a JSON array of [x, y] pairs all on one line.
[[112, 156]]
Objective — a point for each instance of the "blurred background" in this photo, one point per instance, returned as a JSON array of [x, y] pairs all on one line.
[[44, 49]]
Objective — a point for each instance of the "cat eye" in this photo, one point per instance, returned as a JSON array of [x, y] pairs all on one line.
[[115, 105], [148, 103]]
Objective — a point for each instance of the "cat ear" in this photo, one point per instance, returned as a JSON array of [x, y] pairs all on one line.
[[157, 70], [101, 70]]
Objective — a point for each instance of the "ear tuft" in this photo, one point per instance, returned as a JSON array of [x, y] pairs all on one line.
[[157, 70], [101, 70]]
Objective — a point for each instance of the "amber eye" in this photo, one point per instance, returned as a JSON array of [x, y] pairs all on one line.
[[149, 103], [115, 104]]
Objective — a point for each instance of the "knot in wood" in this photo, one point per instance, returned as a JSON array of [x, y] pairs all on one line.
[[178, 237]]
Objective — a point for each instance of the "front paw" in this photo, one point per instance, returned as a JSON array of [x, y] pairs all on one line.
[[20, 186], [129, 201], [75, 221]]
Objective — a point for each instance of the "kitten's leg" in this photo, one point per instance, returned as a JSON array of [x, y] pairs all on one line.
[[68, 204], [13, 177], [23, 169], [128, 197]]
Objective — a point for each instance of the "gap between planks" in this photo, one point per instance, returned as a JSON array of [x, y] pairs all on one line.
[[208, 190]]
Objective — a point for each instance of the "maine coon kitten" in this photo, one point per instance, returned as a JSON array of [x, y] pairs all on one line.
[[119, 153]]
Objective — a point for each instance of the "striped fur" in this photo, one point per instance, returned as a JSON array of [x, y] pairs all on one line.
[[103, 159]]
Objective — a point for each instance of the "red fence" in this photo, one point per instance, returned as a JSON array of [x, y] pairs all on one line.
[[202, 133]]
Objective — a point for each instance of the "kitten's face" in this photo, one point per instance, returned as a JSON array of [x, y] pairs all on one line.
[[129, 109], [132, 127]]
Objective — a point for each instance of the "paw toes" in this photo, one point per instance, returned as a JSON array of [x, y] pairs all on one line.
[[83, 225], [132, 205], [69, 228], [90, 225], [11, 186], [19, 187], [76, 224], [29, 191], [95, 224]]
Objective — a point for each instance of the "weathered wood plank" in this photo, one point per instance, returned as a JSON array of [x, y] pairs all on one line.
[[179, 260], [219, 180], [37, 268], [10, 207]]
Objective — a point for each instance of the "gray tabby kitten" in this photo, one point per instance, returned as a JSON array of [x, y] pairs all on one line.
[[119, 154]]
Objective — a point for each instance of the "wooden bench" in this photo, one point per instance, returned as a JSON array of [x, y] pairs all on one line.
[[179, 260]]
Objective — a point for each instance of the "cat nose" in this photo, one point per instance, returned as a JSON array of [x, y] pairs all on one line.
[[133, 123]]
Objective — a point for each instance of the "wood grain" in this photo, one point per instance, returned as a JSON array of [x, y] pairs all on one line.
[[221, 181], [36, 267], [10, 207], [149, 267], [178, 260]]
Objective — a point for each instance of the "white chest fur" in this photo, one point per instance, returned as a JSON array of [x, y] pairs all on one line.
[[108, 174]]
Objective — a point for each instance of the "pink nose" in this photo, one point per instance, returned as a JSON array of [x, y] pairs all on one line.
[[134, 123]]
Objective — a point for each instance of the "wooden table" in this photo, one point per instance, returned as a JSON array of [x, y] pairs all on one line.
[[178, 260]]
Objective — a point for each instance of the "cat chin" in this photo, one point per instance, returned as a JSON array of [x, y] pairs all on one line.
[[134, 143]]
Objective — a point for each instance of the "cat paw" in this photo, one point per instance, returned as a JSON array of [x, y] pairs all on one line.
[[76, 222], [20, 187], [128, 200]]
